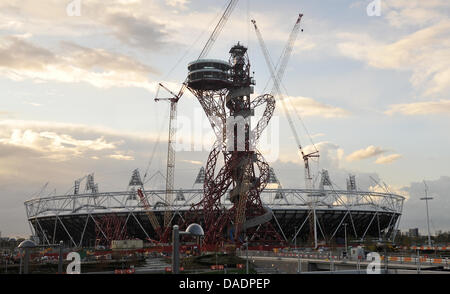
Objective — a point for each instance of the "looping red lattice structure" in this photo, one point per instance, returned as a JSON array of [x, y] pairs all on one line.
[[235, 170]]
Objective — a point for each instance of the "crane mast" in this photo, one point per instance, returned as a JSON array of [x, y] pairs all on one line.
[[288, 49], [277, 89], [218, 29], [170, 171]]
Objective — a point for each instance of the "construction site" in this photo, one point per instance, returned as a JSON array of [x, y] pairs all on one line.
[[236, 197]]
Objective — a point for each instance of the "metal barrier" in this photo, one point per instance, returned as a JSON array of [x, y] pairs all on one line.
[[326, 256]]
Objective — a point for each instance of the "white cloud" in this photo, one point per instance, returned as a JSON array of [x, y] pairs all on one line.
[[398, 190], [178, 3], [426, 53], [196, 162], [145, 25], [20, 59], [137, 31], [309, 107], [148, 25], [54, 146], [330, 156], [368, 152], [317, 135], [121, 157], [407, 13], [420, 108], [290, 170], [387, 159], [33, 103], [7, 125]]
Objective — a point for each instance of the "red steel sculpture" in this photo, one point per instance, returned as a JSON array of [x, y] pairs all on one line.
[[224, 91]]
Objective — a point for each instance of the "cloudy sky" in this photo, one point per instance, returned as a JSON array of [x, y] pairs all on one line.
[[77, 85]]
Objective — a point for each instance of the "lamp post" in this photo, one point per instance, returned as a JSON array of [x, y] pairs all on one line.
[[418, 261], [26, 246], [194, 230], [295, 238], [426, 198], [345, 236], [246, 253], [60, 259]]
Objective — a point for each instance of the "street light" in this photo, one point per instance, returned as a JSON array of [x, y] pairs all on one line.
[[246, 248], [426, 198], [194, 230], [60, 259], [26, 245], [295, 237], [345, 236]]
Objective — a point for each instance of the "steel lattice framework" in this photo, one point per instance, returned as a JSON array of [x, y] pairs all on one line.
[[76, 219], [224, 91], [110, 227]]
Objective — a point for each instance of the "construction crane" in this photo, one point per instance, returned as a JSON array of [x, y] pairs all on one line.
[[170, 171], [173, 111], [148, 210], [218, 29], [277, 89]]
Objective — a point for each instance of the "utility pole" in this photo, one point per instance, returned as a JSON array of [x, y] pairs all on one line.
[[60, 258], [295, 238], [246, 254], [418, 261], [175, 250], [246, 248], [426, 198], [345, 236]]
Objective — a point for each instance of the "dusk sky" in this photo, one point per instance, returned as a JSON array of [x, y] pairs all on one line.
[[76, 94]]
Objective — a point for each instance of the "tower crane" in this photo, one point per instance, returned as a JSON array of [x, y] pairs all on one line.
[[218, 29], [173, 112], [277, 89], [170, 171], [277, 77]]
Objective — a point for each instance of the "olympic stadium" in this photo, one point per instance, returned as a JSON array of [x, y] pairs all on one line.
[[91, 218]]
